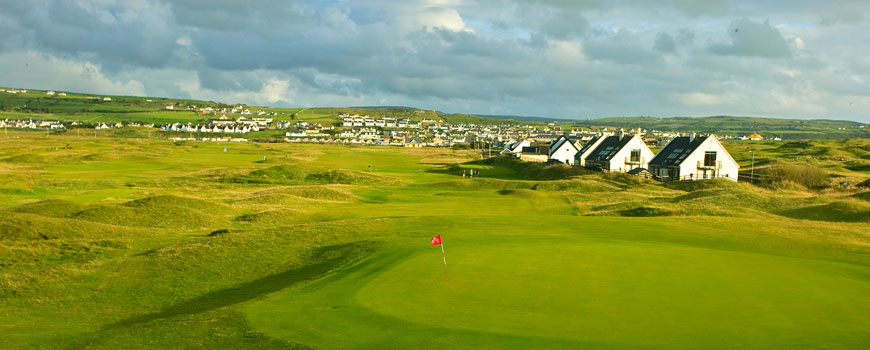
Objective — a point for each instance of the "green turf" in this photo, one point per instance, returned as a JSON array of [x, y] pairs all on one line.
[[127, 242]]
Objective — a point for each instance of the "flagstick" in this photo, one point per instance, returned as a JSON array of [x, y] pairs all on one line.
[[444, 256]]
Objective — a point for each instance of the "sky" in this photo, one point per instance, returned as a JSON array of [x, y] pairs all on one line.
[[566, 59]]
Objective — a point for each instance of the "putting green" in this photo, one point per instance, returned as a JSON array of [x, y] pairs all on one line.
[[568, 292]]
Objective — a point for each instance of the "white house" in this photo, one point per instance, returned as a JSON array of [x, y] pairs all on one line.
[[515, 148], [587, 149], [694, 158], [563, 150], [619, 153]]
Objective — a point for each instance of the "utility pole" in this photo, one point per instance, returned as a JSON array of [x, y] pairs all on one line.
[[752, 171]]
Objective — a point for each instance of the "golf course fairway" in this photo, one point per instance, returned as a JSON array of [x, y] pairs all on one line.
[[571, 288], [141, 244]]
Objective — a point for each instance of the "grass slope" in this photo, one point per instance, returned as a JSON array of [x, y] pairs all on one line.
[[135, 243]]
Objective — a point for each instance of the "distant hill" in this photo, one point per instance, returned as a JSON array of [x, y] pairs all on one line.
[[36, 104], [768, 127]]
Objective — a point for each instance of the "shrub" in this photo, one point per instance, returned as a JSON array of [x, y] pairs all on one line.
[[805, 175]]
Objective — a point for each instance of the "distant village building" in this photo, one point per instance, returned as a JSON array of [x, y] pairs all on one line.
[[515, 148]]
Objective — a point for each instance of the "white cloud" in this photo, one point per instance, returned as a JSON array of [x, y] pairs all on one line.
[[542, 57], [32, 69]]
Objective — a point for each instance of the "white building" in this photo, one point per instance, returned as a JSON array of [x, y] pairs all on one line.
[[587, 149], [694, 158], [563, 150], [621, 153], [515, 148]]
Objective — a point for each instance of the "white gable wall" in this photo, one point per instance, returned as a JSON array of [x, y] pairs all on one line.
[[582, 160], [690, 164], [565, 153], [617, 163]]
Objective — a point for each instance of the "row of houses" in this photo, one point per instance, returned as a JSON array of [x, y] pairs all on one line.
[[689, 157], [210, 128], [383, 122], [32, 124]]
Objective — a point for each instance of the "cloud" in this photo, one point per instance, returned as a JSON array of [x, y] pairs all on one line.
[[750, 38], [665, 43], [554, 58], [20, 68]]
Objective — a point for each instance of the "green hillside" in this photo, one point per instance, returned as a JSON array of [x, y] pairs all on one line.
[[35, 104], [768, 127]]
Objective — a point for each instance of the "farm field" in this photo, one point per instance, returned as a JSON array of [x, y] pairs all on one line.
[[126, 242]]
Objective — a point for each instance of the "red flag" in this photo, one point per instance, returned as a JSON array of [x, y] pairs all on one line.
[[436, 240]]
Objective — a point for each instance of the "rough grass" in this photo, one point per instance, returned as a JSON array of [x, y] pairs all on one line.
[[863, 196], [27, 226], [839, 211], [157, 211], [483, 184], [26, 158], [573, 185], [77, 271], [305, 175], [274, 217], [52, 207], [523, 170]]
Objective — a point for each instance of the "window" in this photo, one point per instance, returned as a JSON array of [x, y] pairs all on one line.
[[635, 155], [710, 158]]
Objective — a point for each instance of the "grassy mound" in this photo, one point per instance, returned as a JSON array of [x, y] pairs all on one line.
[[350, 177], [520, 193], [99, 157], [645, 211], [167, 203], [275, 174], [483, 185], [840, 211], [692, 186], [300, 175], [524, 170], [26, 158], [273, 217], [52, 207], [320, 193], [158, 211], [27, 226], [862, 196], [573, 185], [294, 194]]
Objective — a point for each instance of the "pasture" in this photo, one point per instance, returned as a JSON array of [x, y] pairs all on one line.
[[113, 242]]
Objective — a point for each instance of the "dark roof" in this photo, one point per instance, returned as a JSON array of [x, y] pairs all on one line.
[[608, 148], [589, 144], [677, 150], [554, 145], [530, 150]]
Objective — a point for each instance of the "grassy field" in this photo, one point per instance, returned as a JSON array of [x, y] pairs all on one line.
[[35, 104], [129, 242], [741, 126]]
